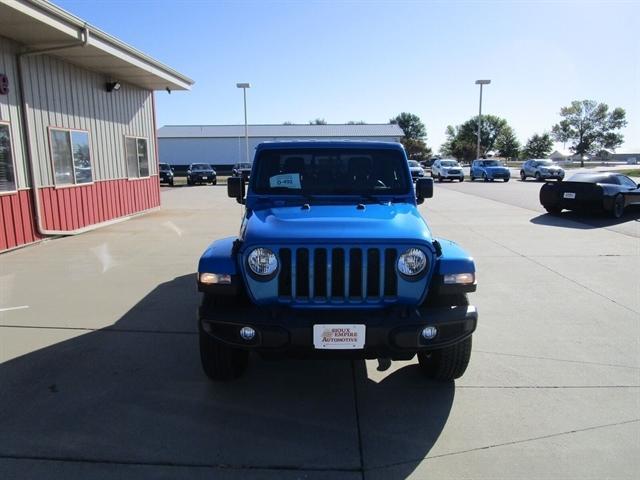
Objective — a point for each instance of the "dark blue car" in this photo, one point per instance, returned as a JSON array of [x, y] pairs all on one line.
[[334, 259], [489, 170]]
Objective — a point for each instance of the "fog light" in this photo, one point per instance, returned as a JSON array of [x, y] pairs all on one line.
[[429, 333], [215, 278], [247, 333]]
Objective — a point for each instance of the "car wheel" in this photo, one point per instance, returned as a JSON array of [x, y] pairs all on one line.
[[553, 210], [221, 362], [538, 177], [461, 179], [523, 176], [484, 177], [472, 178], [618, 207], [447, 363], [214, 182], [171, 183]]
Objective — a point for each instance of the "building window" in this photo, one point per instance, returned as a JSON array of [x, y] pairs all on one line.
[[7, 173], [71, 156], [137, 157]]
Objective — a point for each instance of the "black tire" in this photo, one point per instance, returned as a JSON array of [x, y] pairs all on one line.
[[439, 178], [220, 361], [189, 182], [617, 210], [553, 210], [538, 177], [523, 176], [472, 178], [447, 363], [461, 179], [484, 177], [215, 182]]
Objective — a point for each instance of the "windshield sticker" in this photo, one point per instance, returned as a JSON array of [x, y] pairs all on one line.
[[285, 180]]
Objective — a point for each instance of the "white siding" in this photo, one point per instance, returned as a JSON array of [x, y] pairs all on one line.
[[225, 151], [62, 95], [10, 108]]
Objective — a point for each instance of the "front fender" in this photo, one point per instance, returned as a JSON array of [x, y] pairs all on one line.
[[219, 257], [453, 259]]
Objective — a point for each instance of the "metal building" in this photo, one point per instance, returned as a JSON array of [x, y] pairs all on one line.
[[224, 145], [77, 124]]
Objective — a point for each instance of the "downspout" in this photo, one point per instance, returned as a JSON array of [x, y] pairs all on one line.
[[84, 34]]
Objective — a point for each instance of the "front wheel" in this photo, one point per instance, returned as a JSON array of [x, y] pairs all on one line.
[[219, 361], [538, 177], [446, 363], [484, 177], [618, 207], [461, 179], [523, 176], [439, 178]]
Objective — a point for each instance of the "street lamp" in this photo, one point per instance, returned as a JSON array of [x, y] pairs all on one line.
[[481, 83], [244, 87]]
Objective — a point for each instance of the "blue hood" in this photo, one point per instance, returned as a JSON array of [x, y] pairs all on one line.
[[377, 223]]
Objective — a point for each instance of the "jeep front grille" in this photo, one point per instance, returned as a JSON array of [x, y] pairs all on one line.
[[337, 274]]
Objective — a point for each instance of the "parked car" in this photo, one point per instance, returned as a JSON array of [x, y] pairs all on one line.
[[334, 257], [241, 170], [447, 169], [611, 192], [489, 170], [165, 173], [541, 169], [201, 173], [416, 170]]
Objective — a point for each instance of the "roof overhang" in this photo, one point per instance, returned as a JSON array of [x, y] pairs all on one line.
[[40, 25]]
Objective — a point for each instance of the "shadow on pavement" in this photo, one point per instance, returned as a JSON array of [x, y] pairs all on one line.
[[134, 393], [586, 220]]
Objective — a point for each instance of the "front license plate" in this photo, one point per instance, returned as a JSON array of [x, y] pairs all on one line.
[[569, 195], [205, 178], [338, 337]]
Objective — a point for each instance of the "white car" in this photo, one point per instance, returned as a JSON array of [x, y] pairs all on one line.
[[447, 169]]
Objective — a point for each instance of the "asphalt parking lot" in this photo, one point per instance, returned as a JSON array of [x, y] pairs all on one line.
[[100, 374]]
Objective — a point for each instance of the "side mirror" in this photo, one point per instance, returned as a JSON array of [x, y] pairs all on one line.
[[172, 170], [235, 188], [424, 189]]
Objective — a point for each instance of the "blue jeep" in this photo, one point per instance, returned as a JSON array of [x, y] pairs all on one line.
[[334, 259]]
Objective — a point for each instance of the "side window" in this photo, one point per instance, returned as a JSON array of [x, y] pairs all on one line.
[[137, 156], [627, 182], [71, 156], [7, 173]]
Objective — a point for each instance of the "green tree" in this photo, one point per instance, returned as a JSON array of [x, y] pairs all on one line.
[[538, 146], [287, 123], [415, 135], [318, 121], [590, 127], [462, 140], [356, 122], [507, 144]]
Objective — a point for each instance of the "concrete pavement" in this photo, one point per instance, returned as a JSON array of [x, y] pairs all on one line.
[[100, 376]]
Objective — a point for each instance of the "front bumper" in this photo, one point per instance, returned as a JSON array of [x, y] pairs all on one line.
[[203, 178], [391, 332], [452, 175]]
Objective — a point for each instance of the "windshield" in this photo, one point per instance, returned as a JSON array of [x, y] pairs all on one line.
[[164, 167], [244, 165], [201, 166], [449, 163], [414, 164], [490, 163], [331, 172], [544, 163]]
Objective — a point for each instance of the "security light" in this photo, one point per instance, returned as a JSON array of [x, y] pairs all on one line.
[[113, 86]]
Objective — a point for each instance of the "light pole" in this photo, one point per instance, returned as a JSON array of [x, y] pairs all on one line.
[[244, 87], [481, 83]]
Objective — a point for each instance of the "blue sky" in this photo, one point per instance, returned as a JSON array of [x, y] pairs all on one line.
[[370, 60]]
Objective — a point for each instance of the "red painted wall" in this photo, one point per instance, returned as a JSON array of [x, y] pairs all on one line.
[[74, 207], [17, 225]]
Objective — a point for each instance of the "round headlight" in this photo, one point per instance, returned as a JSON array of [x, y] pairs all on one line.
[[262, 261], [412, 262]]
